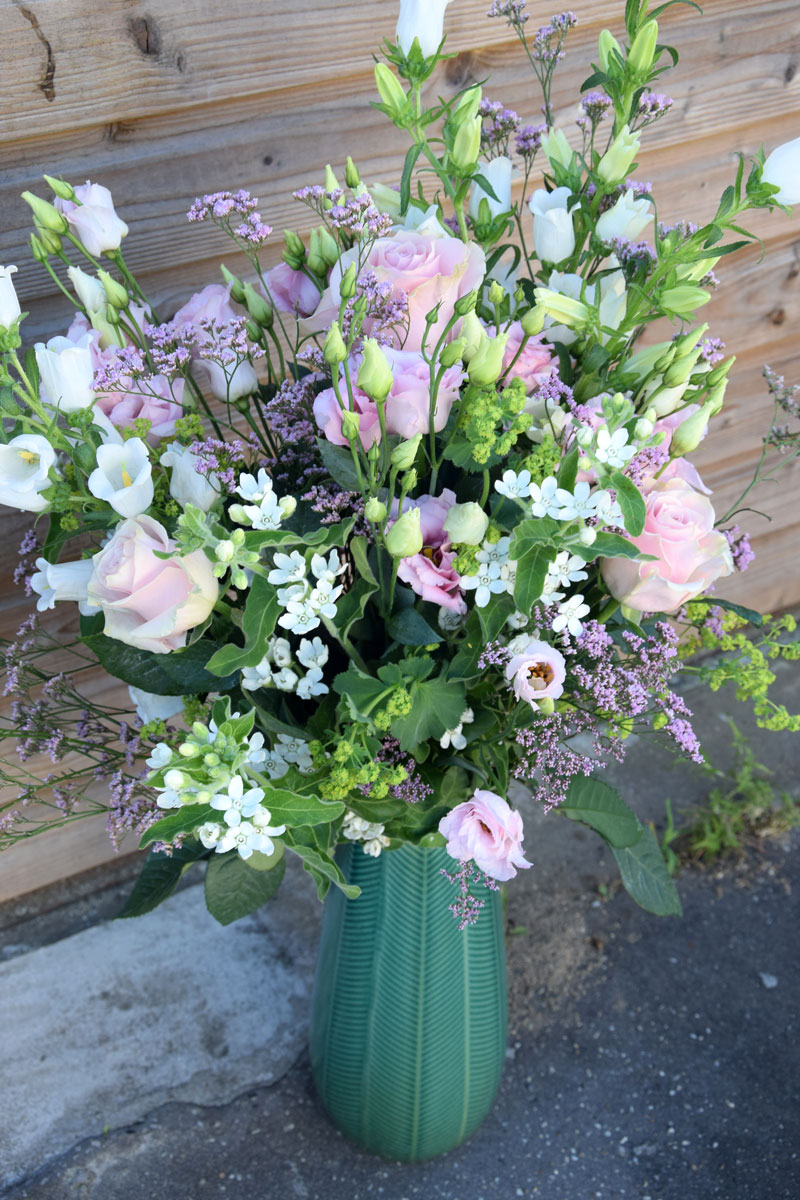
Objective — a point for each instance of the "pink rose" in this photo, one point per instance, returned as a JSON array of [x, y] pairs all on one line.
[[427, 268], [150, 602], [431, 573], [408, 402], [533, 366], [689, 554], [291, 291], [160, 404], [488, 832], [328, 415], [94, 220], [538, 672]]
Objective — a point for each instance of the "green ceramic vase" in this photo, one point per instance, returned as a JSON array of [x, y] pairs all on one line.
[[408, 1025]]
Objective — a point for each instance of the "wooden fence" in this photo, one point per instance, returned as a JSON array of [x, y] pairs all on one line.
[[162, 101]]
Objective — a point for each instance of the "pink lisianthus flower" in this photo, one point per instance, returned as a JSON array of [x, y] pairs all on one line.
[[408, 402], [533, 366], [291, 291], [93, 221], [688, 553], [429, 268], [150, 602], [487, 831], [537, 672], [328, 415], [431, 573], [160, 404], [212, 303]]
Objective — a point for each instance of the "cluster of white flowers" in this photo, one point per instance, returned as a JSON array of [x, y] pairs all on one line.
[[288, 751], [496, 572], [565, 569], [356, 829], [578, 504], [247, 822], [263, 510], [218, 763], [305, 604], [455, 737], [280, 670]]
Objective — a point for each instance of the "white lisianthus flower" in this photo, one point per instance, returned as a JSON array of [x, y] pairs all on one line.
[[25, 463], [61, 581], [10, 310], [187, 485], [93, 218], [421, 19], [553, 230], [123, 477], [627, 219], [497, 172], [231, 381], [88, 289], [66, 373], [782, 169], [151, 707]]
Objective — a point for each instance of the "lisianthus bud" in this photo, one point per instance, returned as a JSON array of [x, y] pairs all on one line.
[[351, 175], [45, 214], [116, 293], [487, 361], [390, 89], [643, 428], [472, 335], [331, 182], [497, 293], [328, 249], [375, 510], [350, 425], [404, 454], [686, 344], [452, 352], [532, 321], [467, 108], [607, 47], [294, 253], [404, 538], [689, 434], [49, 239], [563, 309], [235, 284], [375, 374], [681, 369], [683, 299], [316, 262], [253, 332], [617, 160], [717, 374], [466, 523], [37, 249], [347, 287], [334, 349], [467, 144], [60, 187], [409, 481], [258, 307], [716, 398], [643, 48]]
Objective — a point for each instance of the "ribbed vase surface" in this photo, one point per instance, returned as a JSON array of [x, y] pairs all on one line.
[[408, 1027]]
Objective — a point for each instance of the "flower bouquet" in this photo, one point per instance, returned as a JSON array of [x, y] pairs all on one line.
[[377, 531]]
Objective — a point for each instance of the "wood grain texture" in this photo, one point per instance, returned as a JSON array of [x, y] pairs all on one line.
[[164, 100]]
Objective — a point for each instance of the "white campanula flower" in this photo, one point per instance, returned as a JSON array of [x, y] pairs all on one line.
[[565, 569], [546, 502], [577, 503], [61, 581], [312, 653], [497, 172], [236, 803], [123, 477], [285, 680], [25, 464], [151, 707], [782, 169], [553, 230], [487, 582], [66, 373], [187, 485], [612, 448], [10, 310], [230, 381], [289, 568], [311, 684], [455, 737], [515, 485], [569, 615], [627, 219], [88, 289], [423, 20]]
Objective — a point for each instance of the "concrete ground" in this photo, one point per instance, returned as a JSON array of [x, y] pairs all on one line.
[[649, 1059]]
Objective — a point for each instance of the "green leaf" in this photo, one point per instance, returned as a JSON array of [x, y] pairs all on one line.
[[631, 501], [182, 820], [362, 690], [258, 622], [409, 628], [568, 471], [292, 808], [645, 876], [436, 705], [602, 808], [323, 868], [609, 545], [179, 673], [485, 186], [410, 162], [353, 604], [531, 574], [465, 663], [339, 462], [158, 879], [233, 889], [533, 532], [493, 616], [748, 614]]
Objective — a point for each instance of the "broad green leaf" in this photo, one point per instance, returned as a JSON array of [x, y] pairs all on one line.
[[362, 690], [409, 628], [292, 808], [602, 808], [233, 890], [608, 545], [352, 605], [533, 532], [568, 471], [493, 616], [631, 501], [531, 574], [436, 705], [748, 614], [321, 865], [158, 879], [179, 673], [258, 623], [339, 462], [181, 820], [645, 876]]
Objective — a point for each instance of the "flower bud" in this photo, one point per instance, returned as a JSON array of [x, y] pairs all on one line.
[[294, 253], [618, 159], [716, 397], [329, 251], [347, 287], [351, 175], [60, 188], [409, 481], [50, 240], [258, 307], [782, 170], [683, 299], [116, 293], [466, 523], [375, 373], [390, 89], [584, 463], [404, 538], [467, 144], [643, 428], [472, 335], [331, 182], [717, 374], [89, 290], [546, 705], [404, 454], [607, 45], [487, 362], [643, 48], [452, 352], [10, 311], [253, 332], [563, 309], [287, 505], [37, 249], [689, 434], [585, 436], [465, 304], [235, 284], [587, 536], [225, 551], [333, 349], [556, 148], [375, 510], [681, 369], [532, 321], [351, 425], [497, 293], [45, 214], [175, 779]]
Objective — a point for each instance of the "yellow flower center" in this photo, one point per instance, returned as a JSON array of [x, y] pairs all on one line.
[[29, 458], [126, 479]]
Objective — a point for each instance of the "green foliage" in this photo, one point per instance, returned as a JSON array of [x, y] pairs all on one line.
[[180, 823], [488, 425], [159, 877], [258, 622], [233, 889], [602, 808], [179, 673], [645, 876]]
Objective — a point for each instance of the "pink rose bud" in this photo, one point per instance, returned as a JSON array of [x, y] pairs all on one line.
[[487, 831], [537, 672]]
